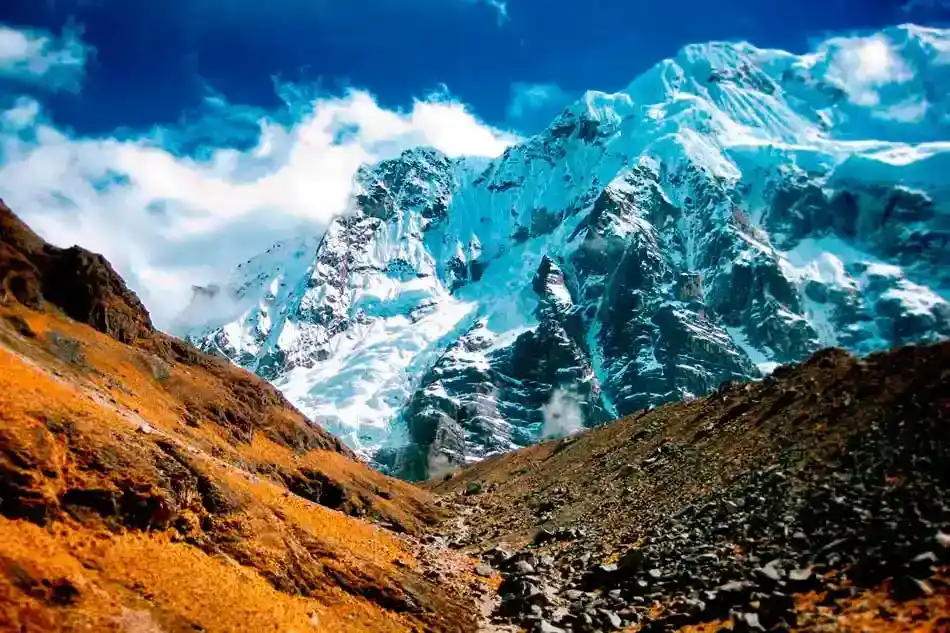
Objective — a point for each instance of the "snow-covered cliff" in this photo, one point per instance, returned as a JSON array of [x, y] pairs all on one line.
[[732, 209]]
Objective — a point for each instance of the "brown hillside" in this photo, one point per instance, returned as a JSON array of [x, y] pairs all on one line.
[[147, 487], [838, 469]]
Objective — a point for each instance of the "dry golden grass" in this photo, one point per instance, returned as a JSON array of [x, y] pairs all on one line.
[[875, 611], [122, 378], [260, 559]]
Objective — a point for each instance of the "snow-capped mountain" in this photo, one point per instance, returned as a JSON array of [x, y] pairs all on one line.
[[732, 209]]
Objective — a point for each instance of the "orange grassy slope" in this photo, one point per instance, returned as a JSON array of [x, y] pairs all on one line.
[[147, 487]]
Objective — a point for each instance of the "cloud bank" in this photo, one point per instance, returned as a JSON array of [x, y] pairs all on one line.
[[42, 58], [893, 76], [169, 220], [499, 6], [865, 65]]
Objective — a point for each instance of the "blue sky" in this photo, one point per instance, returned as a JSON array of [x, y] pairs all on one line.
[[157, 59], [180, 137]]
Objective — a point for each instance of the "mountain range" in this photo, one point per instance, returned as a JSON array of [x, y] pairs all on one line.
[[732, 210]]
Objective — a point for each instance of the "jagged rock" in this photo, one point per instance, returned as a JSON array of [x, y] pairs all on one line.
[[800, 575], [83, 284], [748, 622], [523, 567], [543, 536], [574, 594], [611, 620], [769, 573]]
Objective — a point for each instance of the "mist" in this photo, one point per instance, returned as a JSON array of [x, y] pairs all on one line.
[[563, 415]]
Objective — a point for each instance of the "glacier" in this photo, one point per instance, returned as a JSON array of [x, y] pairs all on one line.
[[733, 209]]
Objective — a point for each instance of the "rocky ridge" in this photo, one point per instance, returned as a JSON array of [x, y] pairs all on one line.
[[829, 511]]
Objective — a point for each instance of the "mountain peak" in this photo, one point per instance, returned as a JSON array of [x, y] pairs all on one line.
[[731, 210]]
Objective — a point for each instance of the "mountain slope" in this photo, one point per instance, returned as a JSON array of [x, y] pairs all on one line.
[[732, 210], [145, 486], [815, 500]]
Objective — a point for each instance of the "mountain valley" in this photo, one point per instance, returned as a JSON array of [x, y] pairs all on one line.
[[145, 486], [679, 362]]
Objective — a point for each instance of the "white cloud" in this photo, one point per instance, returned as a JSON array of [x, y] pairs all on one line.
[[563, 415], [526, 97], [912, 110], [865, 65], [23, 114], [501, 8], [40, 57], [167, 222], [535, 105]]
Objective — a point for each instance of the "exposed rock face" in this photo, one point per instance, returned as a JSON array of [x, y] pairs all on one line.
[[713, 220], [82, 284]]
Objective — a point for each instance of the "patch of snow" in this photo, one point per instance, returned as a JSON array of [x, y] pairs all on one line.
[[914, 299], [757, 356]]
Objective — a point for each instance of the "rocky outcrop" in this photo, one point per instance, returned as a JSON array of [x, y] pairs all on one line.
[[82, 284], [482, 398]]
